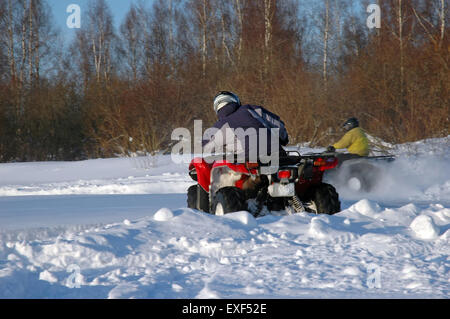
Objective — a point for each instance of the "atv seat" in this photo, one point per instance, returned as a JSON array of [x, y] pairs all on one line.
[[289, 160]]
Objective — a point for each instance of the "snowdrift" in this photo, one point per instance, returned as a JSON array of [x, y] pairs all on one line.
[[187, 254]]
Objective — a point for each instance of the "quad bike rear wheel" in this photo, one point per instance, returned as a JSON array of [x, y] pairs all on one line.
[[228, 200], [323, 199], [362, 177], [198, 198]]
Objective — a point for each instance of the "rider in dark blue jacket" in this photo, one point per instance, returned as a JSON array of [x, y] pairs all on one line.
[[256, 122]]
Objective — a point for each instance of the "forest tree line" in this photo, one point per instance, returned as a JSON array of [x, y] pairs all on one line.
[[117, 90]]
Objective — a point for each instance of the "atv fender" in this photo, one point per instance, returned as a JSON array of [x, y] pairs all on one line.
[[203, 172]]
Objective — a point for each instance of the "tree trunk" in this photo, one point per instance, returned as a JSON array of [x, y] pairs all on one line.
[[325, 47], [134, 56], [171, 38], [12, 59], [225, 49], [24, 53], [204, 44], [240, 18], [267, 34], [400, 38], [36, 47], [30, 41], [442, 16]]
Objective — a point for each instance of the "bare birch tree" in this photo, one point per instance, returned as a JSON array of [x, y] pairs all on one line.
[[131, 36], [239, 10], [268, 28], [326, 31], [100, 36], [202, 15]]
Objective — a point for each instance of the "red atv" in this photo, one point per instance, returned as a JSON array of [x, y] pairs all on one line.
[[295, 186]]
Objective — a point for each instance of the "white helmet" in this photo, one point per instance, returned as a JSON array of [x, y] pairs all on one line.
[[223, 98]]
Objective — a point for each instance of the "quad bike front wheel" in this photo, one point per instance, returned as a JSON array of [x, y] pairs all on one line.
[[228, 200], [198, 198], [363, 177], [323, 199]]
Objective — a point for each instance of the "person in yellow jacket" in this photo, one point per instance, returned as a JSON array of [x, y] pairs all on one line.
[[355, 140]]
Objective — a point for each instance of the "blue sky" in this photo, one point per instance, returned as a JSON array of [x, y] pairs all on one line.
[[119, 8]]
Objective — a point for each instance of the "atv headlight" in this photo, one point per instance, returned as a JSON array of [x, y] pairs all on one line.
[[193, 174]]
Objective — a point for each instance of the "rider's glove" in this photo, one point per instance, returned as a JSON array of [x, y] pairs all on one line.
[[331, 149]]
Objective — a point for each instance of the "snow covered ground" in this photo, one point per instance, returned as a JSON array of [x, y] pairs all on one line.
[[119, 228]]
